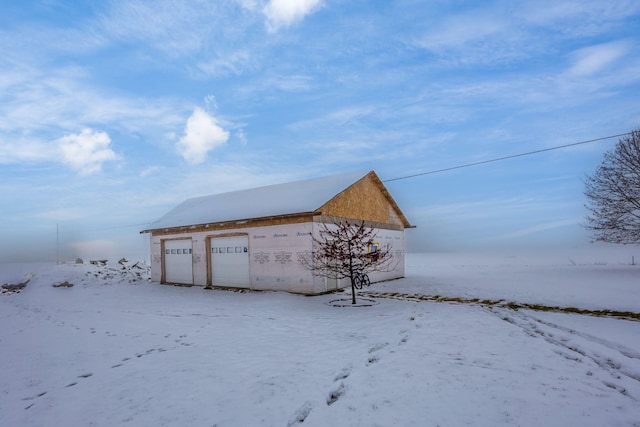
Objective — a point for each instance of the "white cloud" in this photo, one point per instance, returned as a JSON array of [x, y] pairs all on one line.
[[293, 83], [478, 37], [201, 135], [86, 151], [223, 64], [242, 137], [249, 4], [38, 101], [593, 59], [172, 27], [578, 18], [150, 170], [337, 118], [25, 150], [462, 30], [283, 13]]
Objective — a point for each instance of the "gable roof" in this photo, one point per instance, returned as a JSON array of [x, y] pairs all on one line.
[[274, 200]]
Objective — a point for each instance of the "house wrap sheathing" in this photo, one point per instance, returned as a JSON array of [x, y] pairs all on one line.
[[253, 238]]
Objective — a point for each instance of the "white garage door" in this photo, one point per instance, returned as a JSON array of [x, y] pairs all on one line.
[[230, 261], [178, 261]]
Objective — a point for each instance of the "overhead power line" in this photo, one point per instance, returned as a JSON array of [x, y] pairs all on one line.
[[528, 153], [454, 167]]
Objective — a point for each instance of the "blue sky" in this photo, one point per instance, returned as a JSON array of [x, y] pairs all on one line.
[[113, 112]]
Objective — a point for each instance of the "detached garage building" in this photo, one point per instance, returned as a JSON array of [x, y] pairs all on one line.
[[252, 238]]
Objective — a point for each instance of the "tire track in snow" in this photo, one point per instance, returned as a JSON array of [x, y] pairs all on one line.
[[621, 363]]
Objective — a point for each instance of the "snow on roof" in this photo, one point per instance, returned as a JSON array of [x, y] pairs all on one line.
[[273, 200]]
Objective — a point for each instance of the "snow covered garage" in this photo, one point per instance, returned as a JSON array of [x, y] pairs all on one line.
[[252, 238]]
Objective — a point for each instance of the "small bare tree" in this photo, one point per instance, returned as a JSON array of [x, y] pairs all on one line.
[[613, 194], [346, 250]]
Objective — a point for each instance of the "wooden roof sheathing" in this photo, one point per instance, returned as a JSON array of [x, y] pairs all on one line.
[[367, 199]]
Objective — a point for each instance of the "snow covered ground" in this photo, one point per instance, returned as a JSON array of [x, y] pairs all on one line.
[[115, 349]]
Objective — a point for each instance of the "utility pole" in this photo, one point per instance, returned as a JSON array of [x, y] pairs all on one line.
[[57, 245]]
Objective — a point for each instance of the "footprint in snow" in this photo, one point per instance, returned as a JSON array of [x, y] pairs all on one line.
[[336, 394], [344, 373], [300, 415], [151, 350], [372, 359], [404, 337], [377, 347], [33, 398]]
